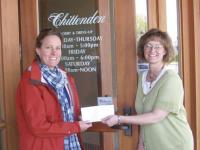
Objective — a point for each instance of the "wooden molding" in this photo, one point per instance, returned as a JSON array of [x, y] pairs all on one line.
[[2, 125], [157, 14], [29, 27], [10, 57], [126, 62], [190, 34]]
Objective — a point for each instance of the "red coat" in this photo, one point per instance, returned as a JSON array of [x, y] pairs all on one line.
[[39, 115]]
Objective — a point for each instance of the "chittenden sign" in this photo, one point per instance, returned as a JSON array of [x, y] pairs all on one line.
[[65, 19]]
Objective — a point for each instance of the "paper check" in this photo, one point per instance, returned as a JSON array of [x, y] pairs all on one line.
[[96, 113]]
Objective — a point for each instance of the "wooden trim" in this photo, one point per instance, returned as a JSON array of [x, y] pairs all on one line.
[[106, 65], [187, 55], [126, 60], [2, 116], [29, 28], [100, 127], [162, 17], [152, 14], [196, 11], [10, 66], [105, 49], [157, 14], [2, 125], [190, 33], [3, 143]]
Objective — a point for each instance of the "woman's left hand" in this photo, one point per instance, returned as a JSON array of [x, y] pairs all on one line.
[[110, 120]]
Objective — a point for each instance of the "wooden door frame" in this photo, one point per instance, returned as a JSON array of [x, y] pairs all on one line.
[[156, 14], [28, 30], [126, 65], [190, 45], [10, 68], [107, 141]]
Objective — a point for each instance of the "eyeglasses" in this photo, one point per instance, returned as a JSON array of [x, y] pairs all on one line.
[[149, 46]]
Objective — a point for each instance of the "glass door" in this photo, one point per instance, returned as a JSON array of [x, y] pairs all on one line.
[[85, 29]]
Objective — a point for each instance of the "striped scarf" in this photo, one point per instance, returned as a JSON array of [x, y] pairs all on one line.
[[58, 81]]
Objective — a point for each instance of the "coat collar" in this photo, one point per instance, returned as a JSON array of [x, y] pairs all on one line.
[[35, 71]]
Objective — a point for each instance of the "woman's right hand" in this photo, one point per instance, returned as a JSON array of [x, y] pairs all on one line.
[[110, 120], [84, 125]]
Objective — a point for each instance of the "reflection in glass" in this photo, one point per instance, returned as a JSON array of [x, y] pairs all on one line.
[[172, 29], [141, 26]]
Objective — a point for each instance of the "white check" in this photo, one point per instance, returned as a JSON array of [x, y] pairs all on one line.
[[96, 113]]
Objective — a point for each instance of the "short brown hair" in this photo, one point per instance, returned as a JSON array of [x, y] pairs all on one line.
[[163, 38], [43, 33], [46, 32]]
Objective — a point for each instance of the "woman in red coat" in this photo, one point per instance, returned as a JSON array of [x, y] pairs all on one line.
[[47, 104]]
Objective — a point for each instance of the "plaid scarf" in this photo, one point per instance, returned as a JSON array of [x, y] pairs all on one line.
[[59, 82]]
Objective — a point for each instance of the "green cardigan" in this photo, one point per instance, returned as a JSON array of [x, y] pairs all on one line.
[[172, 133]]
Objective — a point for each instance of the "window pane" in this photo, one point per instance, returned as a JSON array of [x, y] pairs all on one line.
[[141, 17], [141, 26], [172, 29]]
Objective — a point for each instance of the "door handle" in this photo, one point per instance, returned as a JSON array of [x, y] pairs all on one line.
[[127, 127]]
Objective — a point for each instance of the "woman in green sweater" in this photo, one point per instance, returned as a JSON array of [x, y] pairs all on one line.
[[159, 99]]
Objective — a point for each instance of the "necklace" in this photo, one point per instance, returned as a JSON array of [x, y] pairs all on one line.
[[152, 76], [150, 84]]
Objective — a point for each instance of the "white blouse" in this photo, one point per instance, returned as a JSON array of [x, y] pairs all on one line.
[[147, 86]]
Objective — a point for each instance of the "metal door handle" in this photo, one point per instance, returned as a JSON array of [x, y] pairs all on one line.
[[126, 127]]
